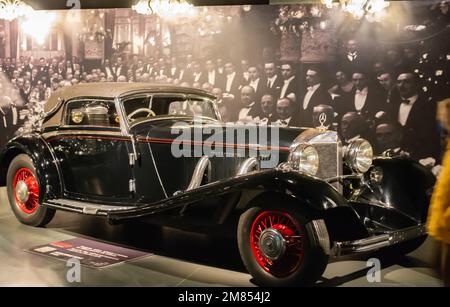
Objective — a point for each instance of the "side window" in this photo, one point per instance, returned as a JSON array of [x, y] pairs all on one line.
[[91, 112]]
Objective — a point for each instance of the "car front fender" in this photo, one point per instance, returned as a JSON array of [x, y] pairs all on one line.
[[313, 193], [406, 187]]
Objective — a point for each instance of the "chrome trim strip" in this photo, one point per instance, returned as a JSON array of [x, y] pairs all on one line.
[[156, 170], [84, 207], [248, 165], [121, 112], [199, 171], [55, 108], [317, 136], [51, 134], [377, 242], [179, 118]]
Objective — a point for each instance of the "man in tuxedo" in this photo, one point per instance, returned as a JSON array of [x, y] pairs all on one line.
[[387, 83], [162, 68], [249, 108], [4, 131], [43, 71], [290, 83], [417, 116], [232, 81], [10, 114], [54, 64], [108, 70], [389, 139], [245, 65], [140, 68], [285, 113], [220, 66], [352, 126], [61, 70], [26, 66], [273, 80], [352, 60], [34, 77], [213, 77], [267, 109], [197, 74], [367, 99], [120, 69], [8, 68], [69, 67], [315, 95], [254, 80], [175, 71], [22, 93]]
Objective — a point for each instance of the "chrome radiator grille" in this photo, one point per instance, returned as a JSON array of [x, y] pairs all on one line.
[[329, 160]]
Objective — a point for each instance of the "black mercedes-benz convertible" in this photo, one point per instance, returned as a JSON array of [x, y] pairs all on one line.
[[298, 197]]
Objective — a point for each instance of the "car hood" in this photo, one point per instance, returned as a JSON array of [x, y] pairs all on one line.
[[271, 138]]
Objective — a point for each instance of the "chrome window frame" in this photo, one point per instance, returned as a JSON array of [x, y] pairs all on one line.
[[55, 108], [130, 95], [63, 120]]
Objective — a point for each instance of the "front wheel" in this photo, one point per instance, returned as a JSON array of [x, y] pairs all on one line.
[[25, 194], [278, 247]]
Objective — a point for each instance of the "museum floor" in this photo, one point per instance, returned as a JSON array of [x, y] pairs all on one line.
[[178, 258]]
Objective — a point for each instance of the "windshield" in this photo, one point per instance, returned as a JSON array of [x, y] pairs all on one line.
[[141, 107]]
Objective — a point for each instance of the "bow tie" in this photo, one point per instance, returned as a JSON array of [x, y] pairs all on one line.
[[406, 101]]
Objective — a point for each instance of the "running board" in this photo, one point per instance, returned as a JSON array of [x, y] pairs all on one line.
[[377, 242], [84, 207]]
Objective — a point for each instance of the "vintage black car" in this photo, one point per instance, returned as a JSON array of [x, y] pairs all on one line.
[[296, 196]]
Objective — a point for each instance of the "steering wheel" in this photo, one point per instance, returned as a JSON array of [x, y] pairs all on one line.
[[151, 113]]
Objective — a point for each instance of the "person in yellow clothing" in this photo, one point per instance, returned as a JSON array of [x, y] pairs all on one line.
[[439, 214]]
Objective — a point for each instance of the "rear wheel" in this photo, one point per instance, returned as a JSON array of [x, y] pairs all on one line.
[[278, 247], [24, 193]]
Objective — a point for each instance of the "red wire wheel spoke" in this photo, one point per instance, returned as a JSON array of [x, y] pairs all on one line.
[[31, 205], [290, 229]]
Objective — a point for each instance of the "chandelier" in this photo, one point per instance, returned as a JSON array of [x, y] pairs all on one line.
[[164, 8], [371, 9], [12, 9]]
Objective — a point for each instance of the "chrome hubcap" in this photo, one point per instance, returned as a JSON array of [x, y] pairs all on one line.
[[272, 244], [22, 191]]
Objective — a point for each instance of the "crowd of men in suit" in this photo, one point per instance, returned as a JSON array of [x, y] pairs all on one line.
[[382, 101]]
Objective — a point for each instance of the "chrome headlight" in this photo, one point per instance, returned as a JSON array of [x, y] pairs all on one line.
[[359, 155], [304, 158]]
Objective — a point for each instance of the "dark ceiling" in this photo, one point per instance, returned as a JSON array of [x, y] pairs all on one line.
[[92, 4]]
